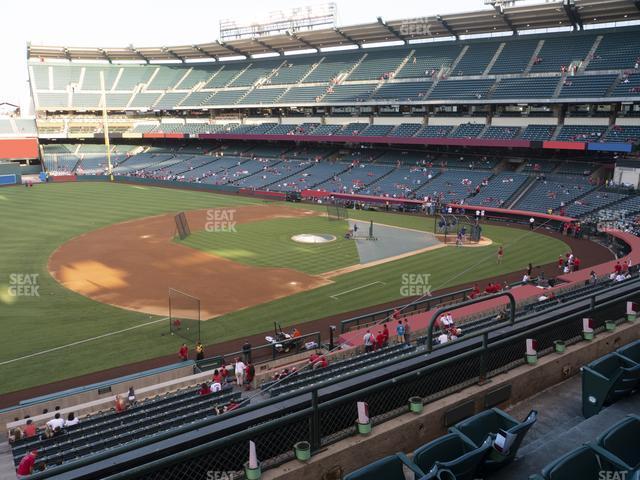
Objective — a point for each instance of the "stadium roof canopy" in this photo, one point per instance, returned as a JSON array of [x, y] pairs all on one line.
[[512, 19]]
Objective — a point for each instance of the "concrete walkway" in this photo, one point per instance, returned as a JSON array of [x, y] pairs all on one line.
[[560, 427]]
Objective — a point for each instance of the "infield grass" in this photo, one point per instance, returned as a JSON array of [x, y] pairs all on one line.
[[35, 221]]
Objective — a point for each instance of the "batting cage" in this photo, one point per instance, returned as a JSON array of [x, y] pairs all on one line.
[[337, 212], [184, 315]]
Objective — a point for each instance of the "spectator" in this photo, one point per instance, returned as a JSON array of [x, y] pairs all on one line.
[[120, 406], [15, 434], [30, 429], [407, 331], [131, 397], [56, 422], [27, 463], [250, 373], [217, 377], [385, 333], [183, 353], [443, 338], [71, 420], [246, 351], [239, 370], [379, 340], [532, 222], [199, 351], [526, 278], [368, 341], [400, 331], [205, 390]]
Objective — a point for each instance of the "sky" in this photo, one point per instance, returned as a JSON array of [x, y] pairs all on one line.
[[118, 23]]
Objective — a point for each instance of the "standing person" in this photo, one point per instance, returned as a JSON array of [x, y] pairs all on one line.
[[120, 406], [239, 369], [500, 254], [385, 334], [183, 353], [532, 223], [407, 331], [199, 351], [379, 340], [250, 373], [246, 351], [576, 264], [27, 463], [131, 397], [560, 262], [530, 269], [400, 331], [368, 341]]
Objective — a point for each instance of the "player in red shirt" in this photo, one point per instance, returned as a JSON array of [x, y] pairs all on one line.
[[500, 254], [27, 463], [576, 264], [183, 353]]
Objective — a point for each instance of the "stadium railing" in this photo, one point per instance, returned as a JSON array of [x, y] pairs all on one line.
[[324, 414]]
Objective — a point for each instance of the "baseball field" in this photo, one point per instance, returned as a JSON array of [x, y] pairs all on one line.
[[85, 268]]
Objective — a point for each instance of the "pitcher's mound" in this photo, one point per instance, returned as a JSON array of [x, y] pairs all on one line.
[[313, 238]]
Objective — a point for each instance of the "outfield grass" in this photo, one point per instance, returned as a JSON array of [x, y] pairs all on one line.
[[36, 221], [268, 243]]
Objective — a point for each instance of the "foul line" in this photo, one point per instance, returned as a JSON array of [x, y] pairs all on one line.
[[335, 297], [31, 355]]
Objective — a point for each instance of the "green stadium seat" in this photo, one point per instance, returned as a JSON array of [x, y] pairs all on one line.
[[581, 463], [387, 468], [621, 442], [452, 452], [605, 380], [487, 424], [630, 352]]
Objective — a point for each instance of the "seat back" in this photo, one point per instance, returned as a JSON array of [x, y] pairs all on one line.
[[581, 463], [443, 449], [622, 440], [598, 381], [465, 467], [484, 424], [631, 352], [389, 468]]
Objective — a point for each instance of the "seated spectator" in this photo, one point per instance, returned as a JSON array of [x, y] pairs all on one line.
[[30, 429], [71, 420], [205, 390], [56, 422], [25, 468], [131, 397], [15, 434], [443, 338]]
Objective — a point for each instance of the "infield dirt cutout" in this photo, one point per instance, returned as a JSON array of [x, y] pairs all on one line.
[[133, 264]]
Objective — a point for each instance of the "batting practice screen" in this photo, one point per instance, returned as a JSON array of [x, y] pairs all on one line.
[[337, 212], [184, 315], [182, 226]]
